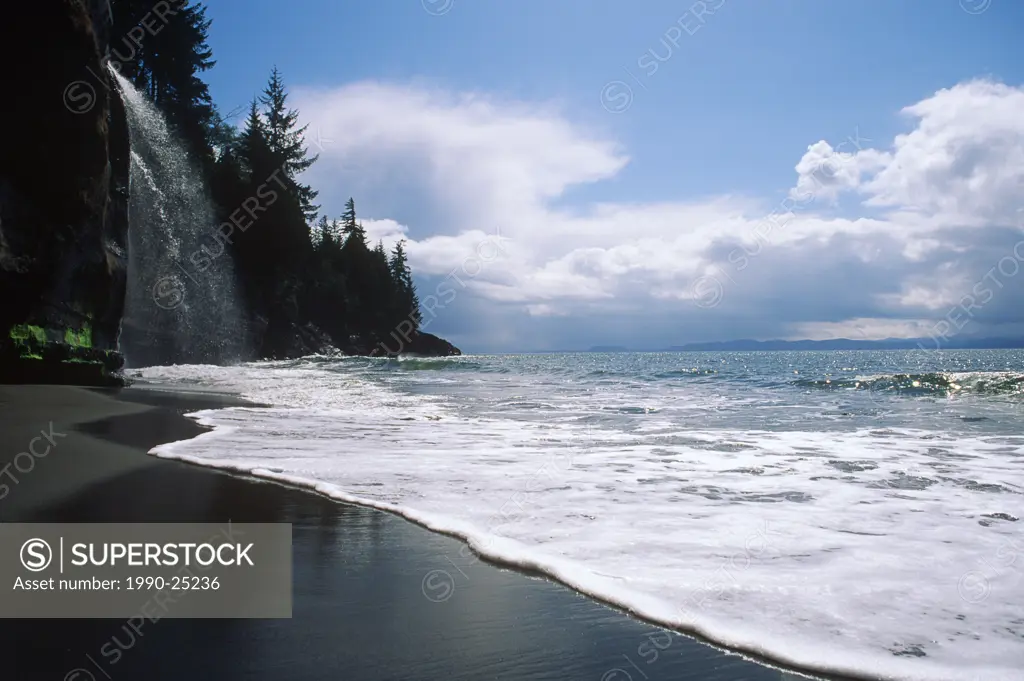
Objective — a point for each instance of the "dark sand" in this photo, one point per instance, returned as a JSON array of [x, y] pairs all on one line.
[[375, 597]]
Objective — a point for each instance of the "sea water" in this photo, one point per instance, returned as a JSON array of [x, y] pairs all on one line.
[[846, 512]]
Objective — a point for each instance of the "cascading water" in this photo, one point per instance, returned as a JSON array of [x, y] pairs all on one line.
[[180, 304]]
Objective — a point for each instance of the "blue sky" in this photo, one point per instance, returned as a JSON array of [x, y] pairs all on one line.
[[712, 137]]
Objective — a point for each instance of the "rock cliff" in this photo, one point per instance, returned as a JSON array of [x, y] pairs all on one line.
[[64, 168]]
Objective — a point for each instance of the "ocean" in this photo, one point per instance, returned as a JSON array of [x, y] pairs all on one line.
[[843, 512]]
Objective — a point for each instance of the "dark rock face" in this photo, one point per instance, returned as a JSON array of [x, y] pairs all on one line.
[[291, 341], [64, 162], [420, 343], [287, 340], [432, 346]]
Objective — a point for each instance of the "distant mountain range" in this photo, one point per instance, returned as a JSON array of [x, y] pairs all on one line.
[[837, 344]]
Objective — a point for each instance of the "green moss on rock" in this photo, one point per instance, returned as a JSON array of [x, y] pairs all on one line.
[[78, 339], [34, 354], [29, 331]]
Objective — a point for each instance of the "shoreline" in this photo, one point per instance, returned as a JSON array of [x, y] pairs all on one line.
[[265, 476], [310, 488], [131, 423]]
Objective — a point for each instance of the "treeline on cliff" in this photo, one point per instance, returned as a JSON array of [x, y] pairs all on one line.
[[303, 275]]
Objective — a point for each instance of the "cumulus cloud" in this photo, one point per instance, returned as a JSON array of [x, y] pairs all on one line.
[[387, 231], [824, 172], [458, 174], [964, 160], [474, 155]]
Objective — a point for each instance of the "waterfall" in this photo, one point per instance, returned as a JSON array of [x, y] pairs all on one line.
[[180, 304]]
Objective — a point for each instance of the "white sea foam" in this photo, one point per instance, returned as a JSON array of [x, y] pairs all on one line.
[[875, 552]]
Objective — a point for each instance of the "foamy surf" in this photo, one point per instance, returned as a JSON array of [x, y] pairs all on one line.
[[883, 552]]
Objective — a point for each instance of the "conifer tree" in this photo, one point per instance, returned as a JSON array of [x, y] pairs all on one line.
[[286, 141], [349, 226], [253, 147], [381, 291], [406, 302], [324, 235], [255, 247]]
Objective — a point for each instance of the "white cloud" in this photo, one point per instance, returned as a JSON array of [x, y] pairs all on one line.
[[448, 172], [388, 231], [964, 160], [475, 154], [823, 172]]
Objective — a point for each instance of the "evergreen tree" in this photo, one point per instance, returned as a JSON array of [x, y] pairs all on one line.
[[287, 142], [349, 226], [348, 218], [356, 260], [277, 253], [326, 236], [253, 148], [228, 185], [406, 303], [381, 292], [326, 297], [255, 249]]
